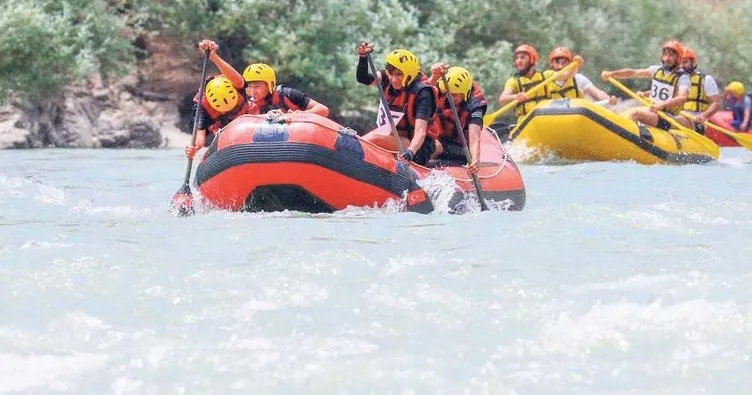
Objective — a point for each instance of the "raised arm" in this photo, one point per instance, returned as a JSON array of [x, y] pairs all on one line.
[[228, 71]]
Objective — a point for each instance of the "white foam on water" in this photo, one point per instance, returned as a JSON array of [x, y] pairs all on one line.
[[614, 280], [33, 244], [51, 195], [285, 294], [86, 207], [440, 187], [733, 162], [13, 186], [398, 265], [633, 283], [523, 154], [54, 371]]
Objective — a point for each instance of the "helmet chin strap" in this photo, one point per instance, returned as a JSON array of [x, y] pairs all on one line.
[[527, 69]]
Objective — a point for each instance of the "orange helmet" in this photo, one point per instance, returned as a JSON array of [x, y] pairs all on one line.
[[689, 53], [560, 52], [530, 51], [674, 46]]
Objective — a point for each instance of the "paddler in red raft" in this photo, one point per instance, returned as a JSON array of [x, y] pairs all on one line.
[[255, 92], [223, 101], [261, 86], [412, 103], [471, 105]]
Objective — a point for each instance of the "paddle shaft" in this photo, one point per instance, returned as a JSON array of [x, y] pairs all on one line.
[[196, 117], [488, 119], [463, 141], [601, 102], [645, 102], [692, 133], [743, 140], [702, 140]]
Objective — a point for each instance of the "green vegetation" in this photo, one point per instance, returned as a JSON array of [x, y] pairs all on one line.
[[47, 44]]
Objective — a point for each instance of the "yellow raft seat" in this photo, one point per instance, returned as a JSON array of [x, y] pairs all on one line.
[[577, 129]]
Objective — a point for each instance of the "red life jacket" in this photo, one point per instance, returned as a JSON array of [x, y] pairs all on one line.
[[404, 101], [279, 101], [444, 112], [220, 120]]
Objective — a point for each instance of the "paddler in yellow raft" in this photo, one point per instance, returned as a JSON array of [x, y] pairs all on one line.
[[573, 84], [669, 88]]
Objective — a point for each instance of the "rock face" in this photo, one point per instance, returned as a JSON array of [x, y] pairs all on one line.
[[138, 111], [93, 116]]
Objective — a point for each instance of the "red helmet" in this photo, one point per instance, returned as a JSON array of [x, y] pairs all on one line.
[[560, 52], [530, 51], [689, 53], [674, 46]]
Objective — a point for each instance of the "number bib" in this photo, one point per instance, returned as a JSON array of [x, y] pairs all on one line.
[[381, 116], [661, 92]]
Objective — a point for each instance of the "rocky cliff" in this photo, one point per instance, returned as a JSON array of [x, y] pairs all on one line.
[[140, 110]]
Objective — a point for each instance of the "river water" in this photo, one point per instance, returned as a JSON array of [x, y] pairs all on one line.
[[617, 278]]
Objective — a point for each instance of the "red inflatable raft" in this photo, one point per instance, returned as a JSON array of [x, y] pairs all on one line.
[[305, 162], [722, 119]]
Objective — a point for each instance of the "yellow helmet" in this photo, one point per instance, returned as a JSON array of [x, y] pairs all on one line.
[[460, 81], [406, 62], [261, 72], [736, 87], [221, 95]]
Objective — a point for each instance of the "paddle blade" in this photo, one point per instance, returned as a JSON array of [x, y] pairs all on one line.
[[418, 201], [744, 139], [182, 202], [488, 120]]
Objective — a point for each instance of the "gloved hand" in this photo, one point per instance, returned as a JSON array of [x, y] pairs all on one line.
[[406, 156], [439, 69], [209, 45], [473, 168], [190, 151], [364, 48]]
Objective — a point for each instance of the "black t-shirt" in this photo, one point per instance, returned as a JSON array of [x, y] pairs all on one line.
[[476, 115], [425, 106], [295, 96]]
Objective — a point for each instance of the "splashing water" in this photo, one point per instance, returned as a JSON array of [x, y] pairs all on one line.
[[616, 279]]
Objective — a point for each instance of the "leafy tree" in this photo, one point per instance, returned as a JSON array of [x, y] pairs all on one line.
[[47, 44], [310, 43]]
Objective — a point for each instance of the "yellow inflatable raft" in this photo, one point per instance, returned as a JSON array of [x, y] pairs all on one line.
[[577, 129]]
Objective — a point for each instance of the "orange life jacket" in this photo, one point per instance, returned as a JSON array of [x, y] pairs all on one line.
[[220, 120], [448, 128], [404, 101]]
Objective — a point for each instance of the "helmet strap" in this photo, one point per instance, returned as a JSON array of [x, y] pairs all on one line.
[[527, 69]]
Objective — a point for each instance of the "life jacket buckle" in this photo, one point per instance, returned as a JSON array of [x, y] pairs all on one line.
[[276, 116], [347, 131]]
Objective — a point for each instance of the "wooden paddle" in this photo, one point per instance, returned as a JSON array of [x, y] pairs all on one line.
[[489, 118], [463, 141], [709, 145], [744, 139], [182, 202], [417, 198]]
